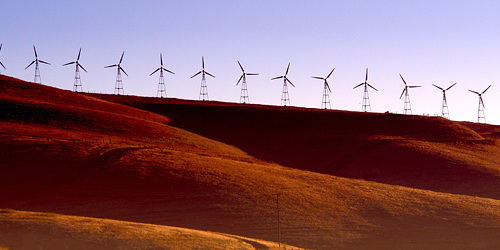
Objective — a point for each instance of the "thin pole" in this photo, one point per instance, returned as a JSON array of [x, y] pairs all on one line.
[[279, 226]]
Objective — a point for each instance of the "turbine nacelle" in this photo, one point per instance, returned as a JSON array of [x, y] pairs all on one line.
[[78, 65], [161, 68], [325, 79], [285, 78], [244, 74], [405, 90], [202, 71], [36, 61], [118, 65]]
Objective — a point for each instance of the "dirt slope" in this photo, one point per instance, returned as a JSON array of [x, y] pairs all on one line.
[[169, 176]]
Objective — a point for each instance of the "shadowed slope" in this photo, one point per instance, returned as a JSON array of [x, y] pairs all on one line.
[[415, 151]]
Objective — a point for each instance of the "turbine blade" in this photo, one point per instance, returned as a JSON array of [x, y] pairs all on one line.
[[79, 65], [1, 47], [44, 62], [209, 74], [289, 82], [196, 74], [358, 85], [29, 65], [121, 58], [287, 68], [317, 77], [474, 92], [241, 77], [202, 62], [440, 87], [78, 58], [278, 77], [444, 97], [403, 80], [68, 63], [330, 73], [36, 56], [154, 71], [252, 74], [405, 89], [2, 65], [414, 86], [451, 86], [327, 85], [120, 68], [241, 67], [481, 99], [161, 60], [486, 89], [169, 71], [114, 65], [366, 78], [372, 87]]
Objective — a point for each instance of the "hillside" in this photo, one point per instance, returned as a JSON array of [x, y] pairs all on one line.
[[30, 230], [171, 169], [429, 153]]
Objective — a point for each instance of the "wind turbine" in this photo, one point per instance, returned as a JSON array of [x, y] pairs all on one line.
[[407, 107], [119, 82], [203, 89], [480, 110], [1, 62], [326, 88], [161, 84], [285, 98], [38, 79], [78, 81], [444, 110], [366, 98], [244, 92]]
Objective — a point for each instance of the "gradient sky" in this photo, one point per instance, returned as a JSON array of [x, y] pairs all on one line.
[[428, 42]]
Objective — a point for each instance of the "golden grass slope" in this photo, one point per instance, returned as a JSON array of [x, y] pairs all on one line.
[[31, 230]]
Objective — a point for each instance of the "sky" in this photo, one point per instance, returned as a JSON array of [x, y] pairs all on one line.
[[428, 42]]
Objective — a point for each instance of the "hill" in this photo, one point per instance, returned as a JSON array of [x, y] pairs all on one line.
[[429, 153], [138, 166], [30, 230]]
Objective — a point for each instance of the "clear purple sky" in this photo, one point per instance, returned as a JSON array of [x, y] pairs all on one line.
[[428, 42]]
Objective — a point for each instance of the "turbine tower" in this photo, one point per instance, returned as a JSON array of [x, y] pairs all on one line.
[[366, 99], [161, 84], [1, 62], [407, 106], [203, 88], [325, 101], [285, 98], [119, 82], [444, 110], [38, 79], [480, 110], [78, 81], [244, 91]]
